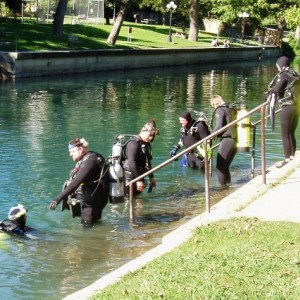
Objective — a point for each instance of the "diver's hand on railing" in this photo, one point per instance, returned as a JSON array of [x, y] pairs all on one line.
[[52, 205], [173, 152]]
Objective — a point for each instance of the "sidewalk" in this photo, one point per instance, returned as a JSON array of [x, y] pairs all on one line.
[[278, 200], [281, 203]]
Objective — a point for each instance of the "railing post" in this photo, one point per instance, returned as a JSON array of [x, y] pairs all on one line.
[[253, 151], [207, 178], [263, 144], [131, 212]]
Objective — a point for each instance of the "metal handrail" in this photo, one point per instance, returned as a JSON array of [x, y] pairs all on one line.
[[254, 125], [204, 141]]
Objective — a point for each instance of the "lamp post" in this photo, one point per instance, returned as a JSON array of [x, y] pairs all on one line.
[[171, 6], [243, 15]]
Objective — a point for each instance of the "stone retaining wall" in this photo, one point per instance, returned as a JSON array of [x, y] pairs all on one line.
[[31, 64]]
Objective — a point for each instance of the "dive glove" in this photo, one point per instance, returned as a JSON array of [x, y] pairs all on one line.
[[173, 152], [52, 205]]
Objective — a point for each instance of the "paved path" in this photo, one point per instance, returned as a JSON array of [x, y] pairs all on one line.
[[277, 200], [281, 203]]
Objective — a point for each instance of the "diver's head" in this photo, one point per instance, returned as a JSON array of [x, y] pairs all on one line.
[[282, 63], [78, 148], [185, 118], [216, 101], [17, 215], [148, 132]]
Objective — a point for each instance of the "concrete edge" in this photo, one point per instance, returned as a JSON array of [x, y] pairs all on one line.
[[224, 209]]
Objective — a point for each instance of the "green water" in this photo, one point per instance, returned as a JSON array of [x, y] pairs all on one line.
[[37, 119]]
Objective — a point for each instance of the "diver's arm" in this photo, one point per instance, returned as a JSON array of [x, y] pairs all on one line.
[[280, 84], [132, 155], [220, 116]]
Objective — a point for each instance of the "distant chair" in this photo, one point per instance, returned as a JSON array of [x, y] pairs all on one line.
[[215, 43], [226, 44]]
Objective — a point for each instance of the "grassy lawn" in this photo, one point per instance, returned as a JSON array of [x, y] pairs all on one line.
[[234, 259], [34, 37]]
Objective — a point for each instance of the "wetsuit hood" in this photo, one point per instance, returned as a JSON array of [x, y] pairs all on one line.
[[282, 62], [186, 115]]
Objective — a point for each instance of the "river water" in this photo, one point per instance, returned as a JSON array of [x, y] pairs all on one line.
[[37, 119]]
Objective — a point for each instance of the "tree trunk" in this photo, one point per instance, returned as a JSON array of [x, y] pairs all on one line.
[[59, 16], [281, 24], [118, 23], [194, 22]]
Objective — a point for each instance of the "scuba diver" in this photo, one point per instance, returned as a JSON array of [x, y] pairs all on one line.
[[224, 114], [281, 90], [85, 193], [17, 221], [138, 156], [192, 131]]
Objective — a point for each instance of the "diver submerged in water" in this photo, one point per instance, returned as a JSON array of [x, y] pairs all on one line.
[[224, 114], [85, 192], [192, 131], [16, 221], [138, 156]]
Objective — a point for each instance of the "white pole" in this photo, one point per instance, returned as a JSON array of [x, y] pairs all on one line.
[[48, 8]]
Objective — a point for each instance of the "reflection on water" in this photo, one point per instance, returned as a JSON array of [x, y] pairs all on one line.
[[37, 119]]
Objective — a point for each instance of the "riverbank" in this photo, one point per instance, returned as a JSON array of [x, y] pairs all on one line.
[[53, 63], [275, 201]]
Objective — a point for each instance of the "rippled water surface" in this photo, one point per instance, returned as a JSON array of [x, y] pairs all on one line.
[[37, 119]]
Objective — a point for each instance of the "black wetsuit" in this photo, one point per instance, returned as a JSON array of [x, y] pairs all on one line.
[[228, 146], [138, 156], [289, 115], [190, 135], [12, 228], [84, 185]]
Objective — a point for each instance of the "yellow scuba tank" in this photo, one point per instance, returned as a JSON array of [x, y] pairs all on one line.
[[243, 130], [201, 151]]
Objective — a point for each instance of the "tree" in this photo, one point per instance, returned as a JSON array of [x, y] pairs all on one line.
[[112, 38], [59, 16], [194, 20], [15, 6], [292, 17]]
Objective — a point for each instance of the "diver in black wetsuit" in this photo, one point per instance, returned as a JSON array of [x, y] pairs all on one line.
[[17, 221], [192, 131], [228, 146], [86, 190], [138, 156], [282, 88]]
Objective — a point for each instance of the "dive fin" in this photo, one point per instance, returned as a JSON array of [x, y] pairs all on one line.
[[272, 111]]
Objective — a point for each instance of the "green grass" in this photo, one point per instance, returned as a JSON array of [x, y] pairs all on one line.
[[39, 37], [234, 259]]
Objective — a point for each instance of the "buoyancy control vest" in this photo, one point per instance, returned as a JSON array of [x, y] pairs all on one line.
[[286, 96], [192, 135], [231, 115], [290, 88], [99, 180]]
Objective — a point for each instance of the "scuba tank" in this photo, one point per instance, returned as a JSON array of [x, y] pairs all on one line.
[[243, 130], [116, 180]]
